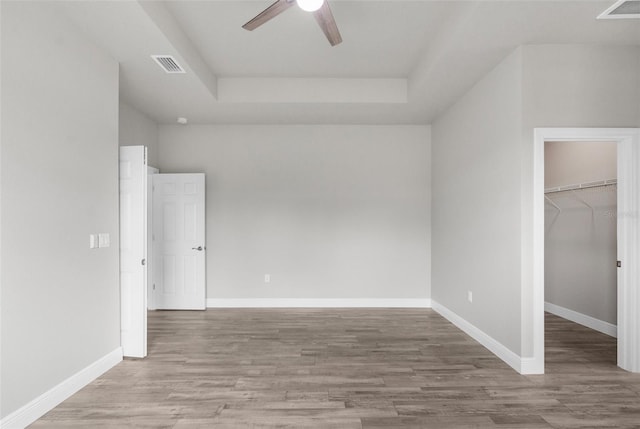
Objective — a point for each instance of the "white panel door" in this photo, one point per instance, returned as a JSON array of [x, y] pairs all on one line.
[[133, 250], [179, 241]]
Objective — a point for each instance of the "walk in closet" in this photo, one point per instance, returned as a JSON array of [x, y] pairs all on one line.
[[580, 233]]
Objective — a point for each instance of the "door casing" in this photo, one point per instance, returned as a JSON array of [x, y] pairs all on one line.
[[628, 224]]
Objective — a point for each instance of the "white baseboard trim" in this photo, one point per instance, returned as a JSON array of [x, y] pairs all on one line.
[[582, 319], [44, 403], [495, 347], [318, 303], [531, 365]]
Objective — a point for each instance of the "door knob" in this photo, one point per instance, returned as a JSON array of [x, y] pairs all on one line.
[[199, 248]]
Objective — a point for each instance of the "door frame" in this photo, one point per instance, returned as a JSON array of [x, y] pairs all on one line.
[[628, 231], [151, 299]]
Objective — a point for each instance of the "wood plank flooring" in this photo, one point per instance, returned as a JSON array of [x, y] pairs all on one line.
[[349, 368]]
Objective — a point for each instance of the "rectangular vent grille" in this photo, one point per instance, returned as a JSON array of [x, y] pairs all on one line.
[[622, 9], [168, 63]]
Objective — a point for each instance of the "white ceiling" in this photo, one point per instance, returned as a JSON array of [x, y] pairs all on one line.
[[383, 39], [401, 62]]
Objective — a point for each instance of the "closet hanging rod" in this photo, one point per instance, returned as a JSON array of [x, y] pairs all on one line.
[[586, 185]]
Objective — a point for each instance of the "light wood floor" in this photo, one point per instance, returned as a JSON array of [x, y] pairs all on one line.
[[349, 368]]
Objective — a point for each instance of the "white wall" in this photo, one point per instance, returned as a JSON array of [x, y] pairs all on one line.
[[570, 86], [328, 211], [136, 128], [476, 204], [483, 174], [574, 162], [580, 244], [580, 86], [60, 300]]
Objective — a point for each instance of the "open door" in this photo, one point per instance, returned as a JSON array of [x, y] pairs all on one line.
[[179, 241], [133, 250]]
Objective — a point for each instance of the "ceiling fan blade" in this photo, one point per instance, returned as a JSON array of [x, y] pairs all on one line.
[[328, 24], [271, 12]]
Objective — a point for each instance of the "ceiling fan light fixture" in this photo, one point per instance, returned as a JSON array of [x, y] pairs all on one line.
[[310, 5]]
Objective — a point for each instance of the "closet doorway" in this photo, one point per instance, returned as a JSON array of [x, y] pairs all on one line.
[[580, 279], [627, 142]]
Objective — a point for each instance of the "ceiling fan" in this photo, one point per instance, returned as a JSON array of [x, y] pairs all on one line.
[[321, 11]]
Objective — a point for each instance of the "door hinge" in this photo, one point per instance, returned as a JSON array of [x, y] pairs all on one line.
[[154, 286], [144, 261], [619, 264]]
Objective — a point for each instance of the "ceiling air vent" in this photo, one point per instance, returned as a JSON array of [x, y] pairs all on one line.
[[168, 63], [622, 9]]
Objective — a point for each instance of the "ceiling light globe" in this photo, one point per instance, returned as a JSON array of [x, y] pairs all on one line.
[[310, 5]]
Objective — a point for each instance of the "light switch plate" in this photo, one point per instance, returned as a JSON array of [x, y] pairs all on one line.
[[93, 241], [104, 240]]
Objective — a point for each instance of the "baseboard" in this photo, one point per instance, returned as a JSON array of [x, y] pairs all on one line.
[[494, 346], [582, 319], [531, 365], [318, 303], [44, 403]]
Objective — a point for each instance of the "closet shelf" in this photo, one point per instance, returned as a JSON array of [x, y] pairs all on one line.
[[586, 185]]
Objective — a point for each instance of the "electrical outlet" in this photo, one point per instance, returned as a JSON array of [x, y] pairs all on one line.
[[267, 278], [470, 296]]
